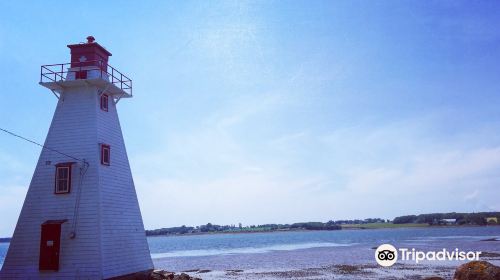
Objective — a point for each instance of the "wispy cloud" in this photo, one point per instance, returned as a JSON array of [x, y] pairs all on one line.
[[318, 175]]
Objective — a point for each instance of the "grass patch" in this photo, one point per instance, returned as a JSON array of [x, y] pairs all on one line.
[[381, 225]]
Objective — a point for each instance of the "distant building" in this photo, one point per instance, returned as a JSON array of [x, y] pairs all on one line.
[[492, 220], [448, 221]]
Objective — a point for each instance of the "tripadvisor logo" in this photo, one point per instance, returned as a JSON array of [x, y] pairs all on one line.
[[387, 255]]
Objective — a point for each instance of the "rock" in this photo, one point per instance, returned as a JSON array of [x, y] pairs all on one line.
[[161, 275], [489, 255], [348, 269], [166, 275], [477, 270], [434, 278], [182, 276]]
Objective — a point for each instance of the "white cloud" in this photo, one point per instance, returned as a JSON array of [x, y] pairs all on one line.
[[356, 170]]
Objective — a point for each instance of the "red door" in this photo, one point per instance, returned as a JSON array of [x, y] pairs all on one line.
[[50, 242]]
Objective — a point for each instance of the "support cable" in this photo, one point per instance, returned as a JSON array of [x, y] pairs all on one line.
[[43, 146], [83, 170]]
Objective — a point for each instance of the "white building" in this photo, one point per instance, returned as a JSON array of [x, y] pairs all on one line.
[[449, 221], [81, 218]]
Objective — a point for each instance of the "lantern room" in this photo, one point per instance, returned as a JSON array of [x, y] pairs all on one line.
[[88, 66], [90, 53]]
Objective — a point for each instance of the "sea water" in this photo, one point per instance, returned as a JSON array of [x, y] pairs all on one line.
[[304, 248]]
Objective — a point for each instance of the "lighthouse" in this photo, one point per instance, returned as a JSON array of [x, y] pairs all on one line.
[[81, 218]]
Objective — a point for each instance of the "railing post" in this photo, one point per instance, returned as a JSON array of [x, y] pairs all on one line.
[[58, 74]]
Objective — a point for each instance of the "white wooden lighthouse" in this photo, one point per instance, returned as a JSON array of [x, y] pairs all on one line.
[[81, 218]]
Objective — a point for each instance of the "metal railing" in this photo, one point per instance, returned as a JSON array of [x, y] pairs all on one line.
[[85, 70]]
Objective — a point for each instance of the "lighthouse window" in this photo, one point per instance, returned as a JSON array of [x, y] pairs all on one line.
[[80, 75], [63, 178], [105, 154], [104, 102]]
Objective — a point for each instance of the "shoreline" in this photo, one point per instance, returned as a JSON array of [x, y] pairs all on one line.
[[337, 263], [306, 230], [346, 270], [8, 239], [355, 261]]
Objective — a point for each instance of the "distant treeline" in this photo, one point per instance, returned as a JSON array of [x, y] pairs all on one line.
[[4, 240], [480, 218], [358, 222], [211, 228]]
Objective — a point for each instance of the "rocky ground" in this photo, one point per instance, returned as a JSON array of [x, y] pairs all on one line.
[[368, 272], [476, 270], [234, 267]]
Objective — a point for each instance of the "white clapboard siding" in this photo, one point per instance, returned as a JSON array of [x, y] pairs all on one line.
[[110, 238], [121, 220]]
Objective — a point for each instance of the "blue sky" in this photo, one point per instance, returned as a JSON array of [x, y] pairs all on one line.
[[274, 111]]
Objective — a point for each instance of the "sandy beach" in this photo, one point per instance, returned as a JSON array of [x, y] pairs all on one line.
[[333, 272]]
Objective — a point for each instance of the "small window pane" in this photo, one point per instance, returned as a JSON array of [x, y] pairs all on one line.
[[63, 173], [105, 154], [63, 179], [62, 186], [104, 102]]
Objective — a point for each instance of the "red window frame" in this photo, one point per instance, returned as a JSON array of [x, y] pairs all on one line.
[[63, 177], [104, 102], [105, 154], [81, 75]]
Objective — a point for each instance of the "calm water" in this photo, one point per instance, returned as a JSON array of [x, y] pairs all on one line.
[[303, 249], [216, 244]]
